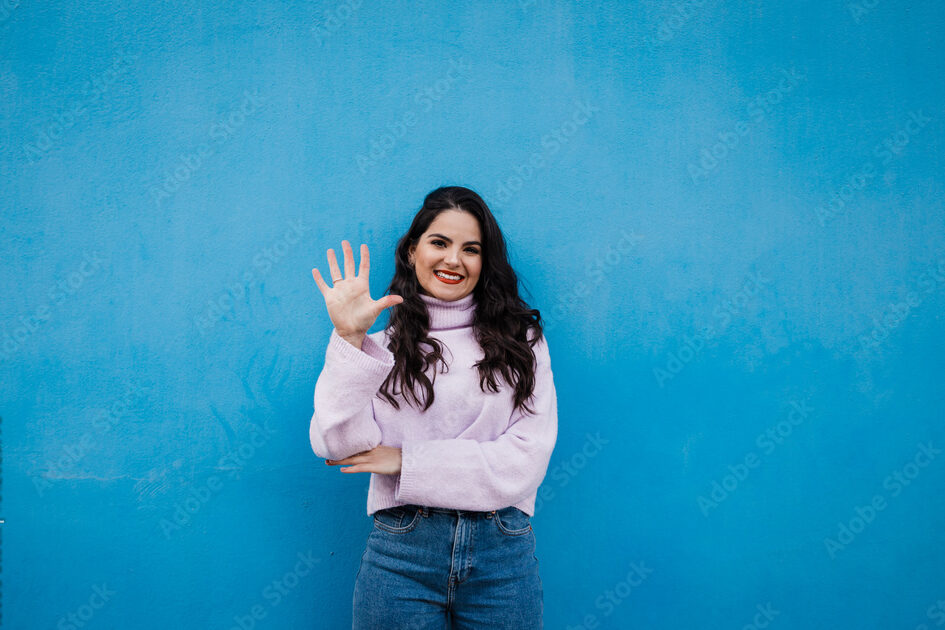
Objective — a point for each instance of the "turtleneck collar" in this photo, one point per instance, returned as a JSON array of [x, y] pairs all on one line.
[[445, 315]]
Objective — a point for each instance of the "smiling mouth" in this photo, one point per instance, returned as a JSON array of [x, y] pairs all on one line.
[[448, 278]]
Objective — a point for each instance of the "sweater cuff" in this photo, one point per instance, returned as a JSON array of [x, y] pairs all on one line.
[[406, 481], [374, 349], [370, 357]]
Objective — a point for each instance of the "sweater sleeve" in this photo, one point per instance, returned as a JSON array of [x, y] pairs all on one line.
[[466, 474], [343, 422]]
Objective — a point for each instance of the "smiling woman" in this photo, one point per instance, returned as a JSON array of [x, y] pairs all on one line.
[[436, 408], [448, 267]]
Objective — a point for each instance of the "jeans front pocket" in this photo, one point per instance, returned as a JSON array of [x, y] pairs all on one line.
[[399, 519], [511, 521]]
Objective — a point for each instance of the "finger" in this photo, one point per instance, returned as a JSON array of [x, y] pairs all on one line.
[[319, 281], [365, 269], [333, 266], [351, 459], [349, 259], [386, 302], [353, 469]]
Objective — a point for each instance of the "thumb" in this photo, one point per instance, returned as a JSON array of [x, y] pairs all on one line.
[[387, 301]]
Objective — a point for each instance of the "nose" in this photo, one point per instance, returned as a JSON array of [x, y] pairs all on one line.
[[452, 258]]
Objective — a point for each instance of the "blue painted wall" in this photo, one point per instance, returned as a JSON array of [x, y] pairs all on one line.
[[729, 213]]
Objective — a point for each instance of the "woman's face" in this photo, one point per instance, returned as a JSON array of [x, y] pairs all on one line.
[[451, 244]]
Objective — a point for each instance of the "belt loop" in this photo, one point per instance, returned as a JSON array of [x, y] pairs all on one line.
[[423, 511]]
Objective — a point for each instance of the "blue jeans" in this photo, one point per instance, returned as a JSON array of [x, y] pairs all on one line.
[[428, 568]]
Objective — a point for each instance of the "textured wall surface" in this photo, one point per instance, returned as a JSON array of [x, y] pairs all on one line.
[[729, 213]]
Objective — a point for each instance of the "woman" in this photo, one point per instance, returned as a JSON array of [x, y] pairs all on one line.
[[436, 407]]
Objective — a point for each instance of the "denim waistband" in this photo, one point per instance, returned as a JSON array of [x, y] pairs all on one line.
[[426, 510]]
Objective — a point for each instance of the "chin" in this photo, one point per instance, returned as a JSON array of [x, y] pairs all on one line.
[[444, 294]]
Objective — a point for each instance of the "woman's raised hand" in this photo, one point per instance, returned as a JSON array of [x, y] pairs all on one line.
[[349, 303]]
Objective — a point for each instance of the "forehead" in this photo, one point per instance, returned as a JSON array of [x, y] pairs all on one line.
[[456, 222]]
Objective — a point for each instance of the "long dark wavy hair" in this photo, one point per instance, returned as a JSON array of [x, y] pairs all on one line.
[[502, 320]]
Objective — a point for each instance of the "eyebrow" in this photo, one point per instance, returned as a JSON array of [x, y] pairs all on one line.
[[446, 238]]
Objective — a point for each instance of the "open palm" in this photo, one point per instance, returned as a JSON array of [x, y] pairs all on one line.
[[348, 300]]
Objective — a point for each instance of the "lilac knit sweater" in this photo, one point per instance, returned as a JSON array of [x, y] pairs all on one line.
[[468, 451]]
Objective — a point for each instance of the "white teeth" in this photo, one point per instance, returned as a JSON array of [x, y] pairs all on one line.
[[447, 276]]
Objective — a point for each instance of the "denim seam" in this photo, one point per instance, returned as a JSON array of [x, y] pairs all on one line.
[[398, 530], [511, 532]]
